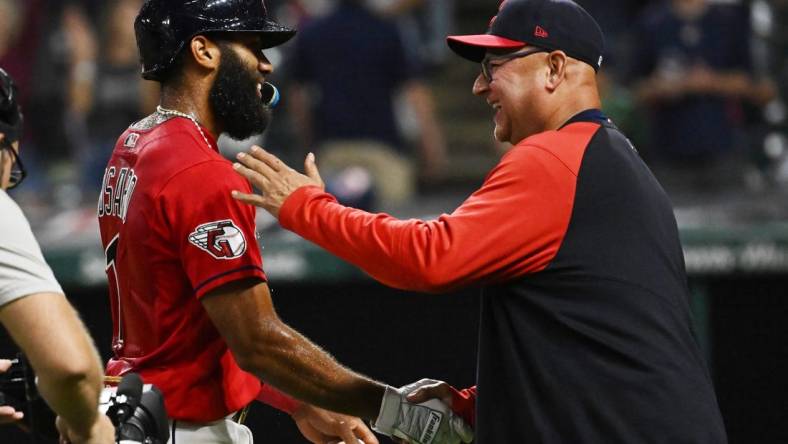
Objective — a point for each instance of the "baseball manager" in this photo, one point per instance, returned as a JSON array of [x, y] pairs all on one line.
[[586, 332]]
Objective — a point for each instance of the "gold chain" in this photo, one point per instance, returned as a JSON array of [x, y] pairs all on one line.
[[176, 113]]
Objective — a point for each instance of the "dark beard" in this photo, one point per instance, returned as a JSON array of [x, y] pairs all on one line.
[[234, 100]]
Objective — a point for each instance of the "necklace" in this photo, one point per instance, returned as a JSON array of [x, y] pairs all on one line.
[[176, 113]]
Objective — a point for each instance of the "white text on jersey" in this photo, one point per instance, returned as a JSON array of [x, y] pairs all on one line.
[[116, 192]]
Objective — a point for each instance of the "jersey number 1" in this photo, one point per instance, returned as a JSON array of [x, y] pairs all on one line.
[[110, 253]]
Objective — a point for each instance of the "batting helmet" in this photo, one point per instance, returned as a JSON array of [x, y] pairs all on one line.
[[164, 26], [10, 112]]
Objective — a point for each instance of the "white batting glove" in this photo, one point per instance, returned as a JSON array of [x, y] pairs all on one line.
[[430, 422]]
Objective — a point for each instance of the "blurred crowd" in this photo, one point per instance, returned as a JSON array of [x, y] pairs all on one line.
[[699, 85]]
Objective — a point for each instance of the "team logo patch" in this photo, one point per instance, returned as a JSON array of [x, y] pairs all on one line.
[[131, 140], [221, 239]]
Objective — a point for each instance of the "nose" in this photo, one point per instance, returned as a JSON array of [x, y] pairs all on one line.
[[480, 86], [264, 65]]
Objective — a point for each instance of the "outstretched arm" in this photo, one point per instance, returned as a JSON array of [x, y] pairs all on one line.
[[263, 345], [268, 348], [512, 226]]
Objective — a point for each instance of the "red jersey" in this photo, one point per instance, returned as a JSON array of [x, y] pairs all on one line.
[[172, 233]]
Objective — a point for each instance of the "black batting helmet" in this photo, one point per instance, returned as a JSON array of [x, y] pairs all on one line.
[[10, 112], [164, 26]]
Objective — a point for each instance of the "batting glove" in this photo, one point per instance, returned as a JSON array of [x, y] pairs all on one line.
[[430, 422]]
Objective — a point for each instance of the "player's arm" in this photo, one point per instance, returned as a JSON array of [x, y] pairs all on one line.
[[510, 227], [263, 345], [50, 333], [266, 347]]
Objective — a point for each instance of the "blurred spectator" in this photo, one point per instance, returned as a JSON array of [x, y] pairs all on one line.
[[692, 68], [19, 30], [119, 94], [770, 23], [348, 68], [63, 79], [11, 14], [424, 25], [616, 18]]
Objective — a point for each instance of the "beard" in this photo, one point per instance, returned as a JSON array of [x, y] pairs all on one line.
[[233, 98]]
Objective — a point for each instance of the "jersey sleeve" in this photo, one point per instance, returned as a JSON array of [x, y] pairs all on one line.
[[23, 271], [513, 225], [214, 234]]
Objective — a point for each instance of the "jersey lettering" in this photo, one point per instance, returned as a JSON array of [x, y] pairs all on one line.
[[118, 187]]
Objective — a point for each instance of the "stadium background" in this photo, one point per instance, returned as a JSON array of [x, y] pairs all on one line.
[[734, 229]]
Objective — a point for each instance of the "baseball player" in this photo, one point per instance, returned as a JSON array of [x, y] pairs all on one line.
[[585, 333], [191, 308]]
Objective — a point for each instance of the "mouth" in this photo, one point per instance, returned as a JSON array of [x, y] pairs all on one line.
[[496, 107], [260, 90]]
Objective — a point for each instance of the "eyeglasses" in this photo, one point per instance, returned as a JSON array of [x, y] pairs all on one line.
[[18, 172], [487, 67]]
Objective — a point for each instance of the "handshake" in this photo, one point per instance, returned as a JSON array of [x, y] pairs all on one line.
[[428, 422]]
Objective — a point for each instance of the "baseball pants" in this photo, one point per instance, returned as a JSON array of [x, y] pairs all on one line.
[[223, 431]]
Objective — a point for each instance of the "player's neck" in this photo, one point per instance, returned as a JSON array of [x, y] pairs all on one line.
[[581, 99], [189, 104]]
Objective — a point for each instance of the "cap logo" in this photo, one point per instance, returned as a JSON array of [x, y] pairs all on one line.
[[540, 32]]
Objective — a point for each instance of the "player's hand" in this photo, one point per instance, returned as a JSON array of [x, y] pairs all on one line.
[[429, 422], [321, 426], [7, 413], [427, 389], [276, 180], [424, 390], [102, 432]]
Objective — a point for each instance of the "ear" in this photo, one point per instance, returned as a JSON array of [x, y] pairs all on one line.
[[205, 52], [556, 73]]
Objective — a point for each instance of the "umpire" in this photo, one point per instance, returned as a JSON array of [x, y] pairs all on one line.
[[34, 310], [586, 333]]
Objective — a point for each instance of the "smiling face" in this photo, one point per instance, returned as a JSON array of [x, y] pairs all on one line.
[[236, 92], [514, 93]]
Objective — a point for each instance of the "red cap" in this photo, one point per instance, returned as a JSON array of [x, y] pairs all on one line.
[[473, 47]]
